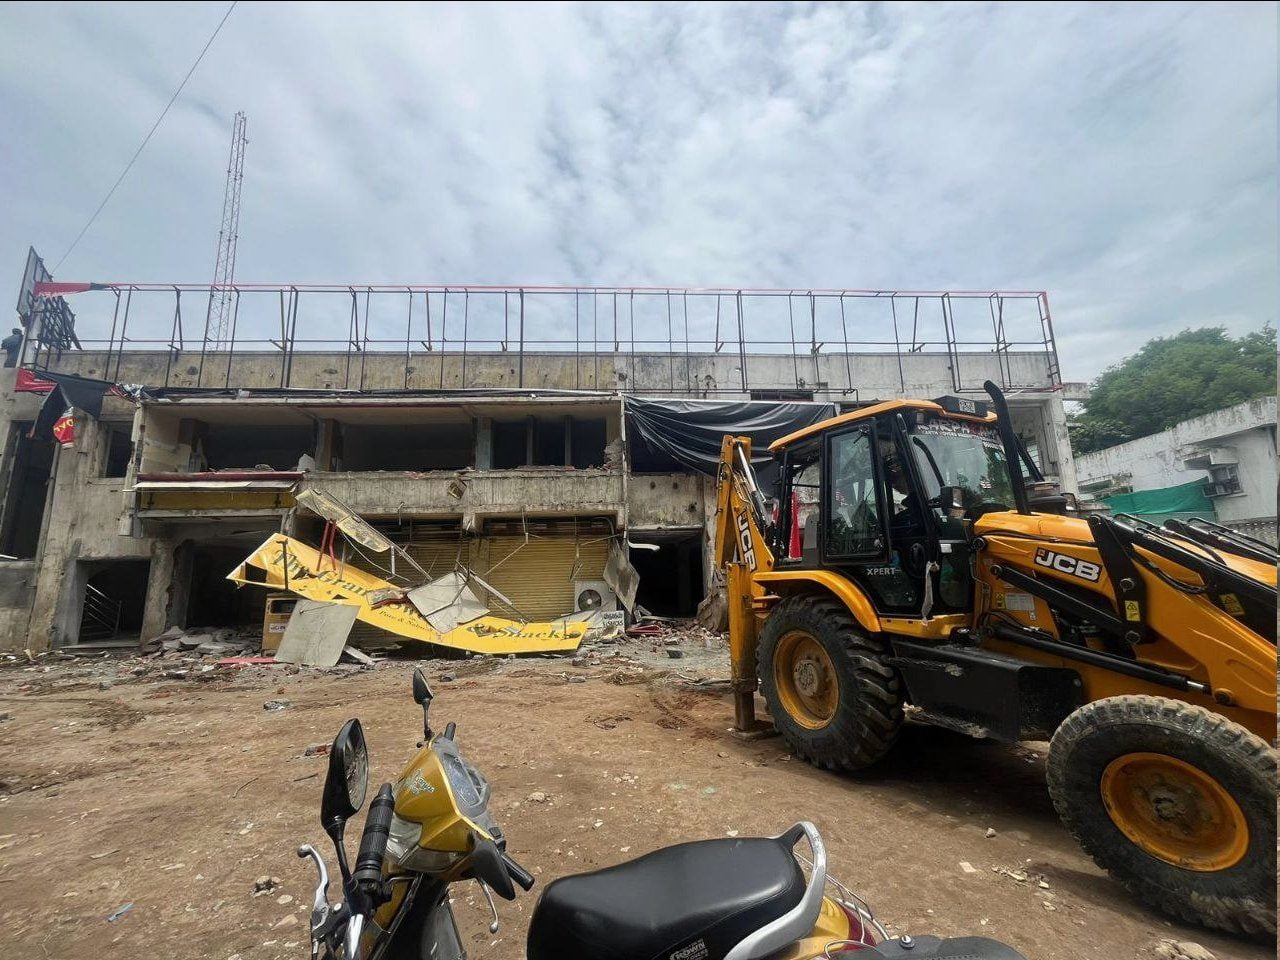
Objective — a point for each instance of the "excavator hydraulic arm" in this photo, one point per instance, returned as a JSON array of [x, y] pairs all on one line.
[[741, 549]]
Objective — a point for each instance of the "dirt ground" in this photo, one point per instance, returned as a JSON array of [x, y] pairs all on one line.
[[173, 795]]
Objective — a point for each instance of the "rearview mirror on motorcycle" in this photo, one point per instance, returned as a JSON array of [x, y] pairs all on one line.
[[347, 780], [422, 695], [421, 689]]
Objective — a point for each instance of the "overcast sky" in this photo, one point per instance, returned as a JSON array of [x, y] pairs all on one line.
[[1123, 158]]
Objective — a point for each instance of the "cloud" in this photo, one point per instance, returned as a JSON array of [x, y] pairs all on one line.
[[1120, 157]]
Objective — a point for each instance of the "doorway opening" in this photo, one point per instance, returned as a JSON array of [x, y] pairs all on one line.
[[670, 575], [215, 601], [115, 596]]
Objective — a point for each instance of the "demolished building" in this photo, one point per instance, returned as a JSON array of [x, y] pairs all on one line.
[[528, 456]]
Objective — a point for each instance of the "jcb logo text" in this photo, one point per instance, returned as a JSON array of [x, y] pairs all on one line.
[[1065, 564]]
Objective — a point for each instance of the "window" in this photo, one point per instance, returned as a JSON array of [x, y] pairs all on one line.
[[116, 449], [1224, 481], [548, 442], [853, 510]]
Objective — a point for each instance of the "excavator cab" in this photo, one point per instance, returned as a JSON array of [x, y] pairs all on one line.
[[903, 561], [884, 498]]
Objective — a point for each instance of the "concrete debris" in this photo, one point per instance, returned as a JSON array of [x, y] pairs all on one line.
[[206, 641], [1182, 950], [358, 656], [273, 705], [713, 611], [265, 884], [162, 659], [621, 576]]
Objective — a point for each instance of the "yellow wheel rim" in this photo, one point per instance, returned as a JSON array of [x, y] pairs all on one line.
[[805, 679], [1175, 811]]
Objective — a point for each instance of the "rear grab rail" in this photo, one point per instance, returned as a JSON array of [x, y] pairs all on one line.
[[798, 921]]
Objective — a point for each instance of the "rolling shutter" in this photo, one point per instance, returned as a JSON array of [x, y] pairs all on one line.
[[538, 575], [433, 548]]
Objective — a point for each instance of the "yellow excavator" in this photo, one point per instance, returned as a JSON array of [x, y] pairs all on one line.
[[912, 560]]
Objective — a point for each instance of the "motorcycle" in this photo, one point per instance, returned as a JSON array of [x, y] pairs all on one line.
[[722, 899]]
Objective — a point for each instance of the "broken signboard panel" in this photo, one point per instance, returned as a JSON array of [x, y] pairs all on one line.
[[288, 564]]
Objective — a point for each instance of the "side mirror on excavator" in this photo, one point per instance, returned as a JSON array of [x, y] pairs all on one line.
[[950, 501]]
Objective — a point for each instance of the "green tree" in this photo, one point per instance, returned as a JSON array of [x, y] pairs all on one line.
[[1173, 379]]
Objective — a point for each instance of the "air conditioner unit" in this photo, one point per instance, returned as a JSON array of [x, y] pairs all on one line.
[[589, 595]]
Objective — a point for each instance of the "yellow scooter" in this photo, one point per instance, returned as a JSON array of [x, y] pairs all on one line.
[[723, 899]]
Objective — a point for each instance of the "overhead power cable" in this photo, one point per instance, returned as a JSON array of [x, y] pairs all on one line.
[[145, 140]]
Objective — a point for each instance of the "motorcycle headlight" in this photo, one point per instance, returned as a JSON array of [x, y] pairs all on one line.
[[402, 839]]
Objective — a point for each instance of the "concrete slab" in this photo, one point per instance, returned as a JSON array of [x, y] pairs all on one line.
[[316, 633]]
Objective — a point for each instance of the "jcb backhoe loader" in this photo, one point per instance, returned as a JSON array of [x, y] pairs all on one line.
[[902, 563]]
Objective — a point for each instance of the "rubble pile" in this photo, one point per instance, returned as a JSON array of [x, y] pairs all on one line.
[[205, 641], [661, 632], [203, 654], [215, 653]]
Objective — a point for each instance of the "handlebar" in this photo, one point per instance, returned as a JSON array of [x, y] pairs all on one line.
[[373, 841], [522, 877]]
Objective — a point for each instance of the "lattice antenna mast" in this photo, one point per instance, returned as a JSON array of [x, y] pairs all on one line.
[[224, 268]]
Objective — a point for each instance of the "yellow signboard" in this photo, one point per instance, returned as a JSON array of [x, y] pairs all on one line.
[[289, 564]]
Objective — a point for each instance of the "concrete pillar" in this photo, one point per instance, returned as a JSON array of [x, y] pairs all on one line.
[[168, 587], [484, 443], [58, 589], [1057, 436], [326, 438]]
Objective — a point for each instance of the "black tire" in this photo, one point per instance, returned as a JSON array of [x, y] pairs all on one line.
[[1239, 897], [869, 709]]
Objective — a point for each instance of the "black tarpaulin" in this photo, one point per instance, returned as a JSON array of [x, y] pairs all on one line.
[[669, 435], [83, 393]]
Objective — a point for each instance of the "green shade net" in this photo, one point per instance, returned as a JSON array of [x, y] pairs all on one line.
[[1183, 502]]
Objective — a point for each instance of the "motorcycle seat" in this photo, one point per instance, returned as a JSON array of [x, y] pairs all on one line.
[[693, 901]]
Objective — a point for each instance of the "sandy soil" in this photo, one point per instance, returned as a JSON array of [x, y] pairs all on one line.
[[174, 795]]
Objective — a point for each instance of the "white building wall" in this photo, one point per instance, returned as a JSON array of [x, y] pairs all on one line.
[[1245, 434]]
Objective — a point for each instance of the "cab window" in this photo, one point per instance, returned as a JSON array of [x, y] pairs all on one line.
[[853, 517]]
